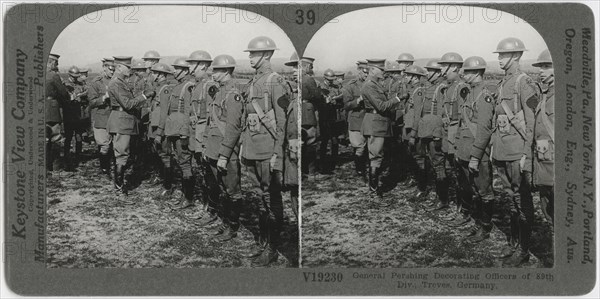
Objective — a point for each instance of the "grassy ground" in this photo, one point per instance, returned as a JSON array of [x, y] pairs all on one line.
[[88, 227], [343, 227]]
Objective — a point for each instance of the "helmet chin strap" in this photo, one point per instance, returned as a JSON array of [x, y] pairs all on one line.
[[259, 62]]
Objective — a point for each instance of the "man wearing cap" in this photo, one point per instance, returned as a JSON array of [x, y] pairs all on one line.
[[355, 107], [224, 113], [378, 120], [328, 120], [428, 129], [262, 142], [543, 133], [291, 143], [85, 109], [140, 81], [160, 72], [100, 110], [311, 102], [476, 196], [173, 131], [511, 130], [122, 123], [405, 60], [57, 96], [72, 112]]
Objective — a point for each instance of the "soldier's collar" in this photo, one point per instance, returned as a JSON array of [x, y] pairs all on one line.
[[264, 68], [513, 71]]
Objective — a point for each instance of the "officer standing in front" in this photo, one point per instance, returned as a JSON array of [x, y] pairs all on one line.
[[311, 102], [378, 120], [512, 126], [122, 123], [262, 142], [100, 110], [355, 107], [57, 96], [543, 157]]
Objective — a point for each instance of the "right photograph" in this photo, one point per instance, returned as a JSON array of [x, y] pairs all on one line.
[[427, 141]]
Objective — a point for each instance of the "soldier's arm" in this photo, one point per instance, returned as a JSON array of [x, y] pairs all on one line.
[[529, 102], [164, 109], [278, 92], [62, 94], [378, 100], [484, 120], [292, 128], [233, 127], [350, 102], [96, 99], [418, 103]]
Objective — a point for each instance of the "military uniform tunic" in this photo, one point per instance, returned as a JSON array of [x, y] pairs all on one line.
[[543, 155], [455, 96], [100, 110], [356, 114], [56, 96]]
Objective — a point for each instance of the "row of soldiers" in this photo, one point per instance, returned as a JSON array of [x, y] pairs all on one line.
[[444, 125], [167, 116]]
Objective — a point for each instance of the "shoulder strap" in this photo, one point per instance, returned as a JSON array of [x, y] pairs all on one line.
[[434, 102], [220, 125], [545, 119], [466, 117], [511, 117]]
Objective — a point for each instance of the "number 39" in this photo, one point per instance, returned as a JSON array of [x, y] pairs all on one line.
[[301, 18]]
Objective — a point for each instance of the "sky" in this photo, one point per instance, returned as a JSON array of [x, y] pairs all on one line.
[[425, 31], [170, 30]]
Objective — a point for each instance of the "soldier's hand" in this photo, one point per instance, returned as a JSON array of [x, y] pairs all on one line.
[[273, 161], [149, 94], [474, 165], [222, 164], [158, 139], [522, 163], [412, 141], [193, 120], [359, 100]]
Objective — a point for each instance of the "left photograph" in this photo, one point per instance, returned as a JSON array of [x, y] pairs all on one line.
[[172, 141]]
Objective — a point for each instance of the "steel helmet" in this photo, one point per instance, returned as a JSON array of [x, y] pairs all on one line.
[[199, 55], [162, 68], [181, 62], [329, 74], [84, 71], [223, 62], [474, 63], [451, 57], [433, 64], [416, 70], [405, 57], [340, 74], [510, 44], [138, 65], [151, 55], [544, 58], [293, 60], [74, 71], [261, 43]]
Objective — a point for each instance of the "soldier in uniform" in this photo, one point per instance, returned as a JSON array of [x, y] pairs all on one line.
[[163, 89], [543, 134], [512, 137], [456, 92], [473, 153], [140, 81], [328, 119], [404, 121], [355, 107], [100, 110], [378, 120], [311, 101], [122, 123], [428, 129], [341, 126], [290, 162], [86, 109], [221, 146], [57, 96], [173, 131], [72, 117], [262, 142], [199, 62]]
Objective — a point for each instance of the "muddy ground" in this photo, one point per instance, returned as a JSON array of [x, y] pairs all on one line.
[[343, 227], [89, 228]]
